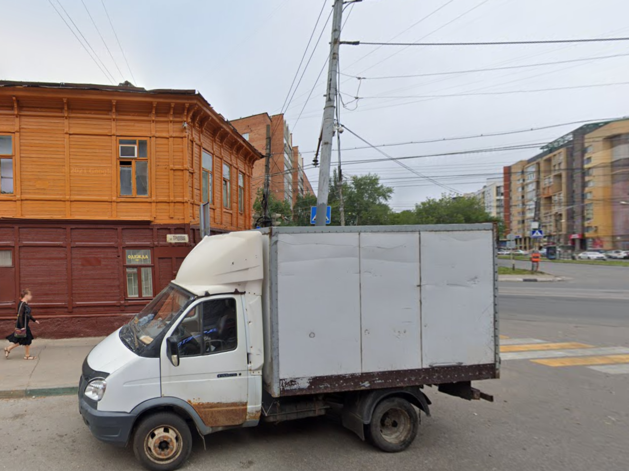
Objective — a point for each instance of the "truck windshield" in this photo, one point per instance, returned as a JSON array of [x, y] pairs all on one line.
[[144, 333]]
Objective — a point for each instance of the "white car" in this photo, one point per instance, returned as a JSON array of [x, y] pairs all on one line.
[[618, 254], [591, 256]]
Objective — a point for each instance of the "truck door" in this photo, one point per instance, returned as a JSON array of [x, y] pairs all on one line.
[[212, 374]]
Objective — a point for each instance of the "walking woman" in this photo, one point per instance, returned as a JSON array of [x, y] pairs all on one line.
[[22, 334]]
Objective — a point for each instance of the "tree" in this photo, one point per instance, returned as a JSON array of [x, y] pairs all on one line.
[[453, 210], [405, 217], [365, 200], [301, 210], [279, 210]]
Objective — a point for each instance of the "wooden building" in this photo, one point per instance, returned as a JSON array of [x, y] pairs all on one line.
[[101, 194]]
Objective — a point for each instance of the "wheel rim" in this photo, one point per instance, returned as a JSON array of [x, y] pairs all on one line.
[[163, 444], [395, 425]]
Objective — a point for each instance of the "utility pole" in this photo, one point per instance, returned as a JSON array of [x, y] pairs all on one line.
[[328, 116], [266, 218]]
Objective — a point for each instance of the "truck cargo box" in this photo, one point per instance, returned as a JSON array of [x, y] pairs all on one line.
[[351, 308]]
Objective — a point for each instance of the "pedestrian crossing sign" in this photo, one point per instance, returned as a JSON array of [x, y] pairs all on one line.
[[537, 234]]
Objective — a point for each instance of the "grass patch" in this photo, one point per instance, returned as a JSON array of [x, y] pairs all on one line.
[[610, 263], [517, 271]]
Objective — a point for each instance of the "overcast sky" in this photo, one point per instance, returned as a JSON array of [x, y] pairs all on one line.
[[242, 56]]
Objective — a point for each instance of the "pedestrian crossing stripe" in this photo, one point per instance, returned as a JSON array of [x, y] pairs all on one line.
[[612, 369], [542, 346], [564, 353], [584, 361], [609, 360]]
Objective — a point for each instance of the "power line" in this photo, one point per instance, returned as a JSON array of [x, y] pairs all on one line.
[[404, 31], [489, 43], [507, 92], [397, 161], [118, 41], [466, 12], [489, 69], [322, 68], [87, 42], [80, 42], [476, 136], [286, 100], [102, 39]]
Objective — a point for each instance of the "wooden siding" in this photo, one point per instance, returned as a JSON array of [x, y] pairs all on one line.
[[79, 268], [66, 157]]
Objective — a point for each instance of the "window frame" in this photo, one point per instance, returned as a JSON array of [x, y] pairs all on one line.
[[207, 177], [241, 192], [227, 202], [12, 159], [10, 250], [199, 303], [134, 161], [138, 268]]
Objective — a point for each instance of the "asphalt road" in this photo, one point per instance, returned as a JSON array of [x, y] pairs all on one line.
[[572, 418]]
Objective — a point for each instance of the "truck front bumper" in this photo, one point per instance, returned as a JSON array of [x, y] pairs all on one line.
[[109, 427]]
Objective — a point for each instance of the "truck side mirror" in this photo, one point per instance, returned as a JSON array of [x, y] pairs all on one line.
[[172, 350]]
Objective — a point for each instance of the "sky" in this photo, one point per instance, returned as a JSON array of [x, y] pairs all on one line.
[[243, 55]]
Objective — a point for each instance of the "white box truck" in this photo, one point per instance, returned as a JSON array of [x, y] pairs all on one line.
[[286, 323]]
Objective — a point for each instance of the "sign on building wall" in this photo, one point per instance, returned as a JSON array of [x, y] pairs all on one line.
[[177, 238]]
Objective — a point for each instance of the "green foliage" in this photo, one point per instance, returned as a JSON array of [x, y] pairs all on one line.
[[451, 210], [301, 210], [276, 207], [366, 203]]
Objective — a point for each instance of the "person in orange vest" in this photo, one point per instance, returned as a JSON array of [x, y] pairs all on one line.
[[535, 259]]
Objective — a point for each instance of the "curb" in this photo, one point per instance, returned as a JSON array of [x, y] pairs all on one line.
[[540, 280], [39, 392]]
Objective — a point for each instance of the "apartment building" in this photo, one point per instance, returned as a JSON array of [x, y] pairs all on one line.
[[288, 180], [577, 189], [493, 197]]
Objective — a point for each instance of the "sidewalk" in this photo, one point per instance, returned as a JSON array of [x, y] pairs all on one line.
[[56, 370]]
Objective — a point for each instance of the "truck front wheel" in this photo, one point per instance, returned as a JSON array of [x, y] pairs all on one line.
[[162, 442], [393, 426]]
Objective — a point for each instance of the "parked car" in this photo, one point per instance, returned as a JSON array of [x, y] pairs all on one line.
[[520, 252], [618, 254], [504, 252], [591, 256]]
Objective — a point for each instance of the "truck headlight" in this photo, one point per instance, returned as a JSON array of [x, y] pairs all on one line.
[[96, 389]]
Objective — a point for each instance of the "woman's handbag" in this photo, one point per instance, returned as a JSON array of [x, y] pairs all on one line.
[[20, 333]]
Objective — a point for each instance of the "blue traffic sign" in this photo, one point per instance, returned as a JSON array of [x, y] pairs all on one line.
[[537, 234], [313, 215]]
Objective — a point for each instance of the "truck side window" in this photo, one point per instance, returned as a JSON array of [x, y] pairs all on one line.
[[219, 325], [188, 333]]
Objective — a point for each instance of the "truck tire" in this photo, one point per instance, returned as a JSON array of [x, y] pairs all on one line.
[[162, 442], [394, 425]]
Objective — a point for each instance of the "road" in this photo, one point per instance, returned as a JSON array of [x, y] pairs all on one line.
[[546, 416]]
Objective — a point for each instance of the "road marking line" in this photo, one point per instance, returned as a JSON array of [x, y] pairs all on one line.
[[504, 337], [585, 361], [564, 353], [612, 369], [542, 346], [521, 341]]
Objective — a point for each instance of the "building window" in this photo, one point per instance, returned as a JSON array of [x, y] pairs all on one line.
[[227, 186], [207, 187], [133, 164], [6, 258], [241, 192], [139, 271], [587, 161], [6, 165], [588, 196], [587, 149]]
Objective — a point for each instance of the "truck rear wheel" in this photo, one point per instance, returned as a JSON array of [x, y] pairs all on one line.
[[162, 442], [394, 425]]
